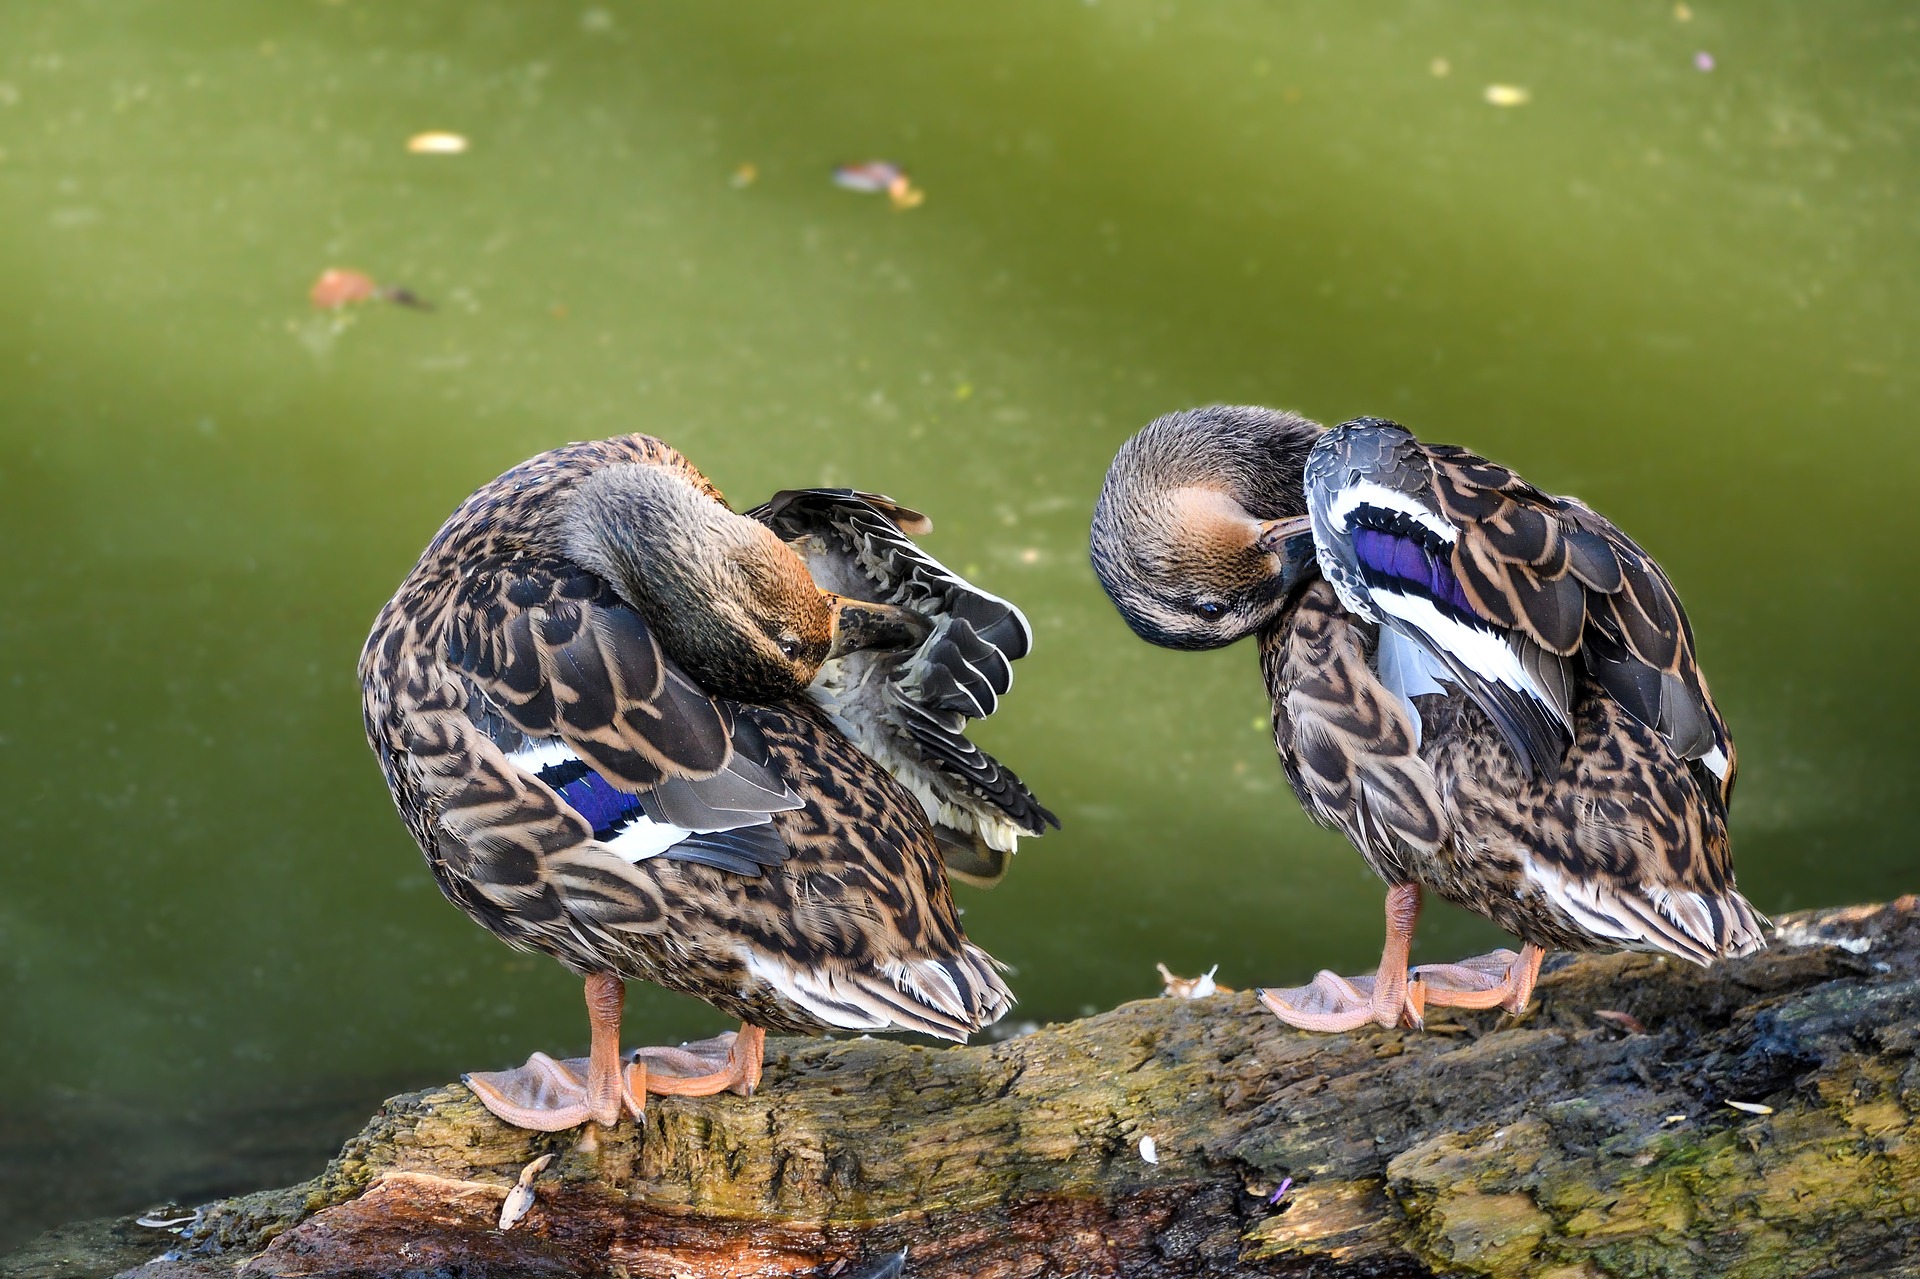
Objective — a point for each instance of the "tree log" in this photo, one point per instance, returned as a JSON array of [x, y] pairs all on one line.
[[1564, 1144]]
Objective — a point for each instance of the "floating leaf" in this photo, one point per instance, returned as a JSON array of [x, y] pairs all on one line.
[[876, 176], [437, 142]]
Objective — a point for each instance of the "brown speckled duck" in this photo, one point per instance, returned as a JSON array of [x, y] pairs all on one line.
[[636, 731], [1490, 690]]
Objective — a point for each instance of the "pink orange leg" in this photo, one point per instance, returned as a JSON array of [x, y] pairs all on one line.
[[1335, 1003]]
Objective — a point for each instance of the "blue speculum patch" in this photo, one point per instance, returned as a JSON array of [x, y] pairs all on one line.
[[607, 810], [1398, 559]]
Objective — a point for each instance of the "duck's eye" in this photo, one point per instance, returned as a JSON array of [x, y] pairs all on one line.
[[790, 647], [1209, 609]]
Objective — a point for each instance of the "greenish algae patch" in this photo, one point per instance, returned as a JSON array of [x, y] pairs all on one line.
[[1752, 1200]]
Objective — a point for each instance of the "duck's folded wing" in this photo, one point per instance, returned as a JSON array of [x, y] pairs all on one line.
[[723, 820], [566, 682], [1506, 591], [560, 654], [1638, 645], [910, 710]]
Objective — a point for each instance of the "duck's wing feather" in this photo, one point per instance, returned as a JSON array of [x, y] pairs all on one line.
[[560, 654], [1509, 591], [859, 928], [1625, 847], [567, 684], [910, 710], [871, 543], [1638, 645]]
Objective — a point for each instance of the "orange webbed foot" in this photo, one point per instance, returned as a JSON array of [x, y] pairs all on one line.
[[546, 1095], [1498, 979]]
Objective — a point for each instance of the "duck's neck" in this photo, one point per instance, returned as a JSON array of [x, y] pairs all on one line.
[[672, 552], [719, 591], [650, 532]]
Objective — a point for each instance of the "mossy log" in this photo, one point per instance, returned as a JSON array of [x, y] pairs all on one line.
[[1566, 1144]]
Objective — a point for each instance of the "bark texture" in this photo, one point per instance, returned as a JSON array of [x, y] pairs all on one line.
[[1564, 1145]]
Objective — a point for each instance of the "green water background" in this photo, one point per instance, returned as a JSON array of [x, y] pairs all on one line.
[[1688, 296]]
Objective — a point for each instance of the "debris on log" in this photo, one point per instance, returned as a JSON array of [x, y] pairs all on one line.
[[1595, 1136]]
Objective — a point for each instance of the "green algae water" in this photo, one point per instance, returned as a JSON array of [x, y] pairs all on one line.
[[1663, 259]]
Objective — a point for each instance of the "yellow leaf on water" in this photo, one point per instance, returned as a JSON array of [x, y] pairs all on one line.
[[437, 142]]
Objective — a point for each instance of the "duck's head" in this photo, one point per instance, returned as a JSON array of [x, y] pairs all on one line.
[[730, 603], [1200, 534]]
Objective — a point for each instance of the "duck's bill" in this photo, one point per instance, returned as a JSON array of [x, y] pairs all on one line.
[[1275, 534], [1291, 540], [858, 625]]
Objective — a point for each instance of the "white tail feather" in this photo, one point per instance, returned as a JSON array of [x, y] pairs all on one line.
[[1690, 925], [946, 1000]]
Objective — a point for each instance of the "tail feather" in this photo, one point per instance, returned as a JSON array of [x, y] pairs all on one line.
[[1700, 927], [946, 998]]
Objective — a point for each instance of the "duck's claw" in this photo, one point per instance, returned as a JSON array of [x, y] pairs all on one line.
[[546, 1095]]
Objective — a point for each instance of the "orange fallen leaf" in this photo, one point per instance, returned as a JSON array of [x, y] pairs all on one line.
[[338, 287]]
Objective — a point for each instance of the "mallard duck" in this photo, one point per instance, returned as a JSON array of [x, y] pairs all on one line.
[[1491, 691], [630, 729]]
